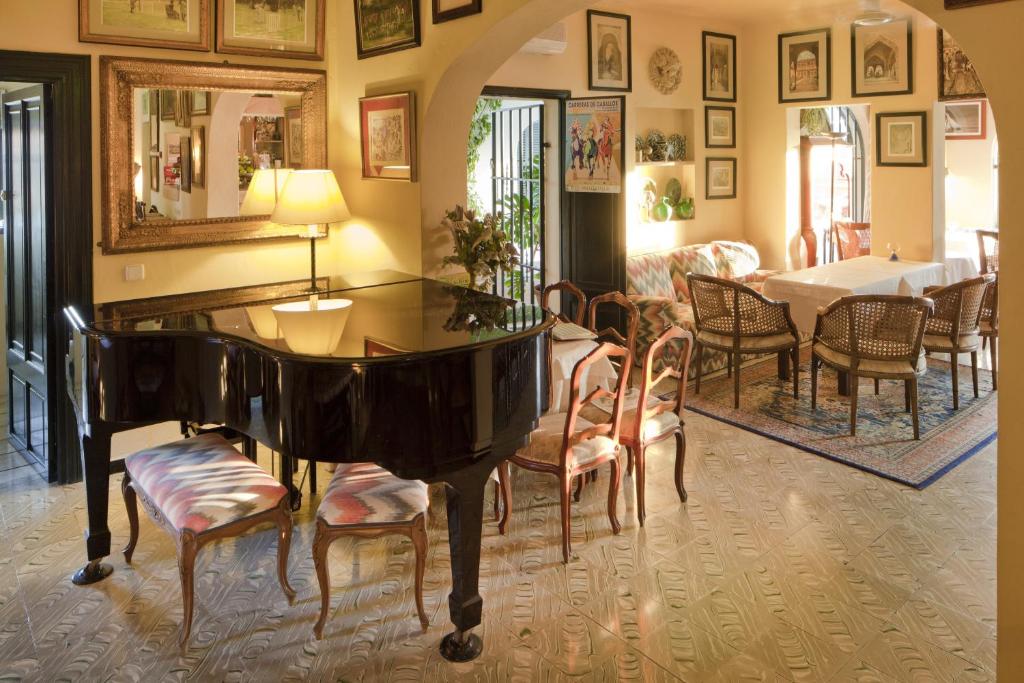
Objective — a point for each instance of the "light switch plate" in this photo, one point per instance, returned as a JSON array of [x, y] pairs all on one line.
[[134, 271]]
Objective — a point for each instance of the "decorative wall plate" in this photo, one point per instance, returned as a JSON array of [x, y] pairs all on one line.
[[665, 70]]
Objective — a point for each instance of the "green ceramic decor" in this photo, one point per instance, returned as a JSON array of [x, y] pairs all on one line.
[[662, 211], [683, 209], [673, 190]]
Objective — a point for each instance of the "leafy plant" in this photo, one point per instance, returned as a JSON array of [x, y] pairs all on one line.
[[479, 132], [481, 246]]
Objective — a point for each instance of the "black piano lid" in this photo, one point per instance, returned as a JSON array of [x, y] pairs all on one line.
[[393, 313]]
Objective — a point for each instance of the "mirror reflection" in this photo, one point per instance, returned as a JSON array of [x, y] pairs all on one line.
[[203, 154]]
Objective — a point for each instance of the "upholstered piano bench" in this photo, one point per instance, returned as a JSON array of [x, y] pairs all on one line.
[[201, 490], [368, 501]]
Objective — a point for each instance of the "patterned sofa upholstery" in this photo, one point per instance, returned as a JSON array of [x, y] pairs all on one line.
[[656, 283]]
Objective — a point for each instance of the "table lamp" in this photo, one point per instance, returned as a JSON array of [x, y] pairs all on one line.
[[264, 189], [310, 198]]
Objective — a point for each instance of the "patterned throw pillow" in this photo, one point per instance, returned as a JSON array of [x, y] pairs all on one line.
[[735, 260], [648, 275], [697, 258]]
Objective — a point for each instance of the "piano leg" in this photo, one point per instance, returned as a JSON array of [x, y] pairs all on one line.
[[465, 503], [96, 468]]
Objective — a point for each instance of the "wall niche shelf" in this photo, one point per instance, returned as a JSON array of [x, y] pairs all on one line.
[[664, 164]]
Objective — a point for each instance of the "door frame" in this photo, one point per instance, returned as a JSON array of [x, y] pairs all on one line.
[[564, 262], [70, 232]]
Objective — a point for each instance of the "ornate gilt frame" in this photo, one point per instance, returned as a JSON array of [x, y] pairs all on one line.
[[119, 75]]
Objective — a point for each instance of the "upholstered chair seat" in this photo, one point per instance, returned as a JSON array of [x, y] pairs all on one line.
[[546, 443], [939, 343], [203, 483], [654, 428], [365, 493], [367, 501], [771, 342], [840, 360], [200, 490]]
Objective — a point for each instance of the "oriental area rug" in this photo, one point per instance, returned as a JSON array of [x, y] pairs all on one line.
[[884, 444]]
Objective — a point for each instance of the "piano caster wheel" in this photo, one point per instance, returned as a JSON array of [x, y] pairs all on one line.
[[91, 573], [461, 647], [296, 498]]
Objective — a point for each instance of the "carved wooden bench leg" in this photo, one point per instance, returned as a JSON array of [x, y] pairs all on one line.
[[321, 542], [131, 505]]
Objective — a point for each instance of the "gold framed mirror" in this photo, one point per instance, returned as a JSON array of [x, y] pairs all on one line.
[[190, 148]]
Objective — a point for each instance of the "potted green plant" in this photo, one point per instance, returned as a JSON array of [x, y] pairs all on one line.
[[481, 246]]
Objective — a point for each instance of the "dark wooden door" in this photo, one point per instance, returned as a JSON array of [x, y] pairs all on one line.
[[594, 249], [27, 216]]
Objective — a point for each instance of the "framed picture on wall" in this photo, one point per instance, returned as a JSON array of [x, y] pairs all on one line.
[[957, 4], [198, 156], [609, 44], [168, 104], [186, 163], [293, 149], [177, 24], [882, 58], [200, 103], [594, 154], [805, 66], [720, 178], [966, 120], [154, 170], [293, 29], [719, 55], [384, 26], [154, 118], [446, 10], [957, 78], [719, 127], [901, 138], [388, 136]]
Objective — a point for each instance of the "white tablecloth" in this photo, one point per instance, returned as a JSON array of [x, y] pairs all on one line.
[[808, 289], [564, 357], [960, 268]]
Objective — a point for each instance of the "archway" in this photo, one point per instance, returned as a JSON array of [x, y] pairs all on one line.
[[986, 33]]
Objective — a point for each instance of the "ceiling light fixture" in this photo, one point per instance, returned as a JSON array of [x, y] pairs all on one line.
[[873, 15]]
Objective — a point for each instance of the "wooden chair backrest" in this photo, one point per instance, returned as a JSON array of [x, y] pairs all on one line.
[[733, 309], [851, 239], [875, 326], [988, 251], [570, 437], [958, 307], [610, 333], [648, 380], [572, 290]]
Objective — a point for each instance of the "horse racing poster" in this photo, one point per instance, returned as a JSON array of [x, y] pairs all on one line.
[[594, 154]]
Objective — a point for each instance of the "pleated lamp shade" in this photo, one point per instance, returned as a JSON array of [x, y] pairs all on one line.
[[310, 198], [261, 197]]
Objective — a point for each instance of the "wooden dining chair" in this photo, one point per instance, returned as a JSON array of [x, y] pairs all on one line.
[[990, 327], [737, 320], [988, 251], [567, 445], [872, 335], [564, 287], [851, 239], [653, 420], [955, 325]]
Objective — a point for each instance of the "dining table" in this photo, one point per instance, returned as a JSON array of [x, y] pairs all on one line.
[[565, 354], [811, 288]]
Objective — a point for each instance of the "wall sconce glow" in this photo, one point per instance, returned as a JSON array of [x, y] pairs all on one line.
[[313, 326]]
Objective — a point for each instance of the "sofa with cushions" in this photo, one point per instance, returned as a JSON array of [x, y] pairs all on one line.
[[656, 283]]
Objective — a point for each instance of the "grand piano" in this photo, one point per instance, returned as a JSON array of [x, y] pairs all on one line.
[[429, 380]]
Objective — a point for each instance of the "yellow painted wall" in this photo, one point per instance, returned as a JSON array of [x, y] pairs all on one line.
[[901, 199], [456, 60], [715, 219]]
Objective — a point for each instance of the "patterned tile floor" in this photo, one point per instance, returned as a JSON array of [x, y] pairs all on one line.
[[782, 567]]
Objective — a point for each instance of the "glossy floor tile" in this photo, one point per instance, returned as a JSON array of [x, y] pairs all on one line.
[[781, 567]]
